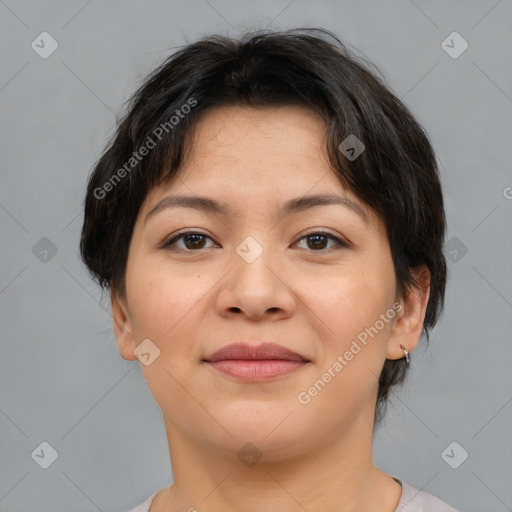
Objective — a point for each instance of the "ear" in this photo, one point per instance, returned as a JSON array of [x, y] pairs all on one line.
[[122, 327], [409, 323]]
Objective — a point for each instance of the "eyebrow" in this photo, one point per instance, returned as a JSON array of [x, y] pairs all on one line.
[[295, 205]]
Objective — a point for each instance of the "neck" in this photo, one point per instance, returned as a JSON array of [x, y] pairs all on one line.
[[337, 475]]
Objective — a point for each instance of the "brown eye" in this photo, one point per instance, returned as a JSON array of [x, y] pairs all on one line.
[[318, 241], [191, 241]]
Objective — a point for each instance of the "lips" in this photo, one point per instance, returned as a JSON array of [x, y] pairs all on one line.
[[265, 351], [255, 362]]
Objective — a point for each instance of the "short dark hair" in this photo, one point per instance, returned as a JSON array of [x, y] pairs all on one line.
[[396, 174]]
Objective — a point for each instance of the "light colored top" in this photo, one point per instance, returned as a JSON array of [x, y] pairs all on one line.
[[412, 500]]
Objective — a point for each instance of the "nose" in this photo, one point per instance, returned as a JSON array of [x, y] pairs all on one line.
[[257, 286]]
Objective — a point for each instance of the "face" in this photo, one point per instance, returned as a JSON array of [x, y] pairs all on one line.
[[316, 279]]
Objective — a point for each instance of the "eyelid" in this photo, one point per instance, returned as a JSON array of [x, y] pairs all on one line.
[[322, 231], [341, 241], [177, 234]]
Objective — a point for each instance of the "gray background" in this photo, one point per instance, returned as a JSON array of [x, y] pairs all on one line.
[[62, 378]]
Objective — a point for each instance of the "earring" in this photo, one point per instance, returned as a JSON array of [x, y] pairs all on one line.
[[406, 352]]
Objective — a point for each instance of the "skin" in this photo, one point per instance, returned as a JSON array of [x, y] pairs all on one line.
[[313, 299]]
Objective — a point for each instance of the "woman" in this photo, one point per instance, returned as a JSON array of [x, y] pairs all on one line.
[[269, 221]]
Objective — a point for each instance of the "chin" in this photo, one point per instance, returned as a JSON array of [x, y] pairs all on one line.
[[268, 425]]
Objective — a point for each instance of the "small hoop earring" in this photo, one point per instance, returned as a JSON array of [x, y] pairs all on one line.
[[406, 352]]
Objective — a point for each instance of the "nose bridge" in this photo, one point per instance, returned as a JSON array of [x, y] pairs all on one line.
[[250, 250], [253, 264], [255, 287]]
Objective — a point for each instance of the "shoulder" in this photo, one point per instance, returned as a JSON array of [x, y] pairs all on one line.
[[414, 500], [143, 507]]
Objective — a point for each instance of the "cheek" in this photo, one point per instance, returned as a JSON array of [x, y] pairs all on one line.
[[346, 300], [347, 310], [355, 345], [161, 301]]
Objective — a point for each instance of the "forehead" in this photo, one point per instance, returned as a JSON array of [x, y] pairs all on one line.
[[265, 154], [237, 134], [257, 148]]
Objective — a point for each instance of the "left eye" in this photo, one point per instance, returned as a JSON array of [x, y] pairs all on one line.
[[319, 240], [193, 240]]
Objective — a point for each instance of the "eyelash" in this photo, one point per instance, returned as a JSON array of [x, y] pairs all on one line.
[[172, 241]]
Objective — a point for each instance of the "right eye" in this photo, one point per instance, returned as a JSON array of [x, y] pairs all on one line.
[[192, 241]]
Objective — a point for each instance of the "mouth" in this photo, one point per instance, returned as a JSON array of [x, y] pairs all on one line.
[[255, 363]]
